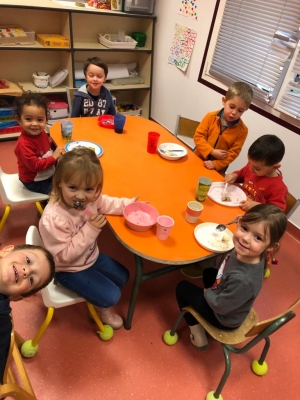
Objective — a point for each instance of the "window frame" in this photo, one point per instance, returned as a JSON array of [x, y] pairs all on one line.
[[265, 110]]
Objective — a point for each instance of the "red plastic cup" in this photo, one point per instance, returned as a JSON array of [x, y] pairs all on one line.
[[153, 138]]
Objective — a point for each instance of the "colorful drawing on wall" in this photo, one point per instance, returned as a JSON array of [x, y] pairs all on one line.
[[189, 8], [182, 46]]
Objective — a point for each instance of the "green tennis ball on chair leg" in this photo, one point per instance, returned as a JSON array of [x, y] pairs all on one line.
[[267, 273], [211, 396], [259, 369], [169, 339], [107, 334], [28, 350]]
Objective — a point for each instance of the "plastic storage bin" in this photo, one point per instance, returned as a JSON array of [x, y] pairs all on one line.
[[111, 40], [139, 6], [140, 38], [128, 109]]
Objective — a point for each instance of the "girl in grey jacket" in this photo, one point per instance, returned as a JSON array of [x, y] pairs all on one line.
[[230, 292]]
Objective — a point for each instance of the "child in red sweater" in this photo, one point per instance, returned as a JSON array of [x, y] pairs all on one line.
[[36, 160], [261, 178]]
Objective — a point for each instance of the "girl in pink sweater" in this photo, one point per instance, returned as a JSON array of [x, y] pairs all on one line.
[[70, 226]]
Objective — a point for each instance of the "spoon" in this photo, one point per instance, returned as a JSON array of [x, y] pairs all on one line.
[[169, 151], [222, 227], [225, 189]]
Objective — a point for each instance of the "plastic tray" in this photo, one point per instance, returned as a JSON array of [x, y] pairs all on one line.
[[106, 121], [110, 40]]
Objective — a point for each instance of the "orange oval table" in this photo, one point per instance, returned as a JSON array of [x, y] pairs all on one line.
[[167, 185]]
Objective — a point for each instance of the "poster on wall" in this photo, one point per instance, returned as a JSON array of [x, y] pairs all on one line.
[[182, 46], [189, 8]]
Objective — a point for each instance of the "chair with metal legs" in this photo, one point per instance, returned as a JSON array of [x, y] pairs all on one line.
[[251, 328]]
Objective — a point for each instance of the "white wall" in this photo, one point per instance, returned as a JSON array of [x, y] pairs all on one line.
[[176, 92]]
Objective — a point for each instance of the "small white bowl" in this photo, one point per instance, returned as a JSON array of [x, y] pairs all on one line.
[[166, 150]]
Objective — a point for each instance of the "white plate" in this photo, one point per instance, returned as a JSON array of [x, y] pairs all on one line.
[[207, 236], [166, 150], [83, 143], [235, 193]]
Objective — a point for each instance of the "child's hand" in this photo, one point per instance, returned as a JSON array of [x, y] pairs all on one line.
[[219, 154], [97, 221], [247, 204], [209, 164], [230, 178], [57, 152]]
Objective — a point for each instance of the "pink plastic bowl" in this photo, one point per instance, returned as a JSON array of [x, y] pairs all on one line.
[[140, 216]]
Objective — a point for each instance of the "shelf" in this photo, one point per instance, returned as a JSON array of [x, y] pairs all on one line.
[[126, 87], [82, 46], [82, 27], [30, 86], [9, 135], [35, 46]]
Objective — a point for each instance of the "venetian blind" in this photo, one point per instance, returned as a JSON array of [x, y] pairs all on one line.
[[255, 44], [289, 102]]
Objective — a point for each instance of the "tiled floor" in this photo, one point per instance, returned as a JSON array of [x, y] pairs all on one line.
[[73, 363]]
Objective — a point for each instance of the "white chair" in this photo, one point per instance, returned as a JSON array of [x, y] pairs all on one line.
[[13, 193], [185, 130], [56, 296], [70, 95]]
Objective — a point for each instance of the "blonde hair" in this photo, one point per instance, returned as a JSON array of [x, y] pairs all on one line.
[[80, 164], [241, 90]]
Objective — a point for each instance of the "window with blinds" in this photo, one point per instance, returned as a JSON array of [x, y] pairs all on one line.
[[289, 100], [256, 41]]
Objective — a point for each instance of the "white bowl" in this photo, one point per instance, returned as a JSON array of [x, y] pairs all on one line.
[[166, 150]]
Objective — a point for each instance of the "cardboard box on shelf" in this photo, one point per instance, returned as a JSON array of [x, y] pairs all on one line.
[[57, 107], [52, 40]]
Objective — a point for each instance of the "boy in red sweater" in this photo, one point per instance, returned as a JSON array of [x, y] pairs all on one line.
[[261, 178]]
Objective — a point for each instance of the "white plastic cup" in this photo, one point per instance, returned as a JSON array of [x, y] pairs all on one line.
[[163, 227], [121, 36], [193, 211]]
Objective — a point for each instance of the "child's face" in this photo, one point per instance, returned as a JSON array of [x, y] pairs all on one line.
[[250, 241], [33, 120], [95, 78], [260, 169], [75, 192], [22, 271], [233, 108]]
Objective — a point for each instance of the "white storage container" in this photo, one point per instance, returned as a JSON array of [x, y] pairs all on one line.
[[40, 79], [139, 6], [111, 40]]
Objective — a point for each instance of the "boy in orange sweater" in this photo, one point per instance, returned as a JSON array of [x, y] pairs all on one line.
[[221, 134]]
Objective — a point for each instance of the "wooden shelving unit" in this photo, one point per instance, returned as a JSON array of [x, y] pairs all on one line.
[[81, 26]]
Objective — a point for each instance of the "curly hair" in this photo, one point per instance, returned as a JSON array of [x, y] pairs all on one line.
[[30, 99]]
